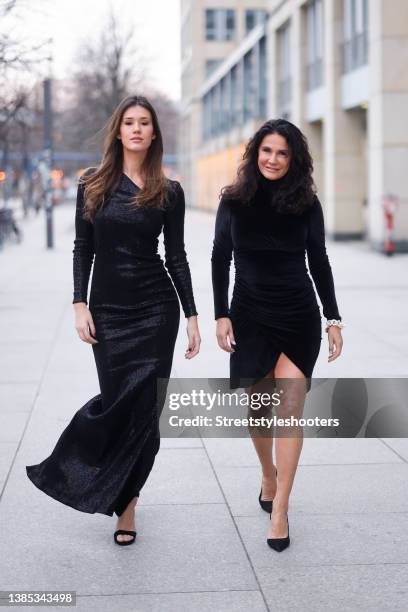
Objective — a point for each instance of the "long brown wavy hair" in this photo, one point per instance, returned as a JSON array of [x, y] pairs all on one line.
[[100, 182], [296, 190]]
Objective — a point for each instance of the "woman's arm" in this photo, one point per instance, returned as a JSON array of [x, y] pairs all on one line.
[[319, 264], [221, 259], [175, 255], [83, 250], [220, 264], [83, 258]]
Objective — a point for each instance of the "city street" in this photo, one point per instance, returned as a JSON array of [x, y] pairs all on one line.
[[201, 543]]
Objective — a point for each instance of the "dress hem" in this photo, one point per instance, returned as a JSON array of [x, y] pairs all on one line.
[[62, 499]]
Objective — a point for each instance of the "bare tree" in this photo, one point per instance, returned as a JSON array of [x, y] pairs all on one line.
[[106, 71], [169, 118], [17, 54], [19, 59]]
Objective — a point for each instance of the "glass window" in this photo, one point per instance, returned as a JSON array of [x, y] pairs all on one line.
[[284, 75], [253, 17], [249, 20], [225, 109], [210, 66], [249, 90], [355, 17], [230, 24], [262, 78], [284, 53], [210, 30], [219, 24], [314, 44], [355, 45], [234, 96]]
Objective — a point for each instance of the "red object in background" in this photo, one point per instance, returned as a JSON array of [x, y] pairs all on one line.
[[390, 208]]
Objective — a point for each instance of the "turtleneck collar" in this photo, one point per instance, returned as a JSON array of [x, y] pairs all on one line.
[[267, 188]]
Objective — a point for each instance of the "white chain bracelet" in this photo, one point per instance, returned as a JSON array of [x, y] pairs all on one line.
[[333, 323]]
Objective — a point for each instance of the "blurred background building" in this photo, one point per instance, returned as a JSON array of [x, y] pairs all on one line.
[[211, 31], [335, 68]]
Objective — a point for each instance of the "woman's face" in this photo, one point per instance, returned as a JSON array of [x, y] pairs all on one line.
[[273, 157], [136, 129]]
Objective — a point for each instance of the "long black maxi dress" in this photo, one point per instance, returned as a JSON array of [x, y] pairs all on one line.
[[273, 307], [104, 456]]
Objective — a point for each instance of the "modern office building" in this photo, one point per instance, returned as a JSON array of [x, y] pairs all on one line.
[[210, 31], [337, 69]]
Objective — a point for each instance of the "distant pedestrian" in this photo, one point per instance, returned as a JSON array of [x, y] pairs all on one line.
[[105, 455], [268, 219]]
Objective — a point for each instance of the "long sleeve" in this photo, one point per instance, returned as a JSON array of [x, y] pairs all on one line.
[[83, 250], [175, 254], [221, 259], [319, 264]]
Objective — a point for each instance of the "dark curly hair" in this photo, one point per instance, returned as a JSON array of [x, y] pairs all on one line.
[[296, 190]]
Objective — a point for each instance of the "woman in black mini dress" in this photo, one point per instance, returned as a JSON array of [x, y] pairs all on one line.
[[269, 218], [104, 456]]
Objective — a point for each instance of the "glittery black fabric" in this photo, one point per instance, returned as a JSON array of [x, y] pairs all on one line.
[[104, 456], [273, 307]]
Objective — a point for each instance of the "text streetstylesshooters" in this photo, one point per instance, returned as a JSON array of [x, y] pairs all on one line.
[[223, 421], [254, 401]]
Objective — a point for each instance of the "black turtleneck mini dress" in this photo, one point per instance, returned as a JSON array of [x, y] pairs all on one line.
[[273, 308], [104, 456]]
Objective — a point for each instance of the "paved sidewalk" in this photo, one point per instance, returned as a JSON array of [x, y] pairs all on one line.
[[201, 542]]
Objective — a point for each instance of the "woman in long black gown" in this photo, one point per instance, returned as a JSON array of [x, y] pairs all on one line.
[[269, 218], [104, 456]]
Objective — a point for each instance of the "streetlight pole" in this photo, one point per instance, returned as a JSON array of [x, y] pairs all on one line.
[[48, 155]]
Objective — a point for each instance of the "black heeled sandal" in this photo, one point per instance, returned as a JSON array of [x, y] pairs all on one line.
[[266, 504], [279, 544], [124, 532]]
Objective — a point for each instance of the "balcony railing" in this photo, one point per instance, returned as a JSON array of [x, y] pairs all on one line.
[[355, 52]]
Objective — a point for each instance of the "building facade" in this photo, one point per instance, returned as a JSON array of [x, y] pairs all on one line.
[[335, 68], [210, 31]]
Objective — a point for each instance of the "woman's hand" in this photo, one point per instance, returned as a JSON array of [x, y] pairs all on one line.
[[335, 342], [194, 339], [225, 335], [84, 323]]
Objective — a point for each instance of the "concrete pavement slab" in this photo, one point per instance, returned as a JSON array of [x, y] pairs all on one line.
[[324, 488], [12, 426], [240, 452], [349, 588], [74, 357], [178, 548], [330, 539], [181, 443], [181, 476], [233, 601], [398, 445], [23, 361], [7, 452], [17, 397]]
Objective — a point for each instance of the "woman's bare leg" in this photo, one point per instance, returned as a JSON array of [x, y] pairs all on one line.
[[127, 520], [264, 444], [288, 440]]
